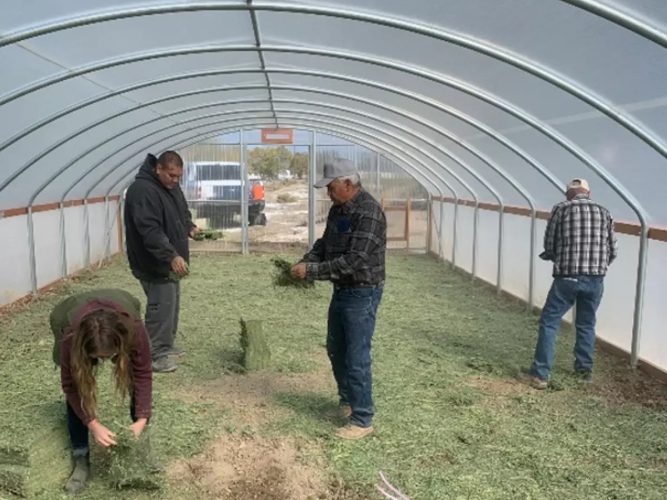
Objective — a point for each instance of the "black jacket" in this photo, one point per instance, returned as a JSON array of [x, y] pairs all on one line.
[[157, 224]]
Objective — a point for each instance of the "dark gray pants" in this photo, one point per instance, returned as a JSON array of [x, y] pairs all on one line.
[[162, 305]]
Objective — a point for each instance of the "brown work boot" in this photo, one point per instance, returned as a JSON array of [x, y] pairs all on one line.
[[538, 383], [352, 431], [344, 411], [78, 481]]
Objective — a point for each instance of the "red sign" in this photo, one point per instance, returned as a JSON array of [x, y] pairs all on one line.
[[277, 136]]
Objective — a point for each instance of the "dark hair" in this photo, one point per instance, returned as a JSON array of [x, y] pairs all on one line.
[[170, 159], [101, 332]]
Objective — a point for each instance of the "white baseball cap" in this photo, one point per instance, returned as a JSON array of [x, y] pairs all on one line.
[[578, 184]]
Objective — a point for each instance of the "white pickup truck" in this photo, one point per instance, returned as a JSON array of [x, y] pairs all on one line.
[[213, 188]]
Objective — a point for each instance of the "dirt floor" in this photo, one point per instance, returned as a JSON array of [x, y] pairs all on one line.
[[244, 465]]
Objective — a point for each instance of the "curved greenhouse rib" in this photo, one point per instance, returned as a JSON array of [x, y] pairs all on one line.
[[623, 19], [443, 132], [474, 44], [378, 85], [260, 55], [606, 11], [439, 130], [491, 99]]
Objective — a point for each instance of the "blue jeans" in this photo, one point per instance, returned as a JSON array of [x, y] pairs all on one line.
[[350, 330], [586, 293]]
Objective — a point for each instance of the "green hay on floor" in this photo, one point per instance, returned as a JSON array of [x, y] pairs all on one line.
[[256, 352], [452, 420], [282, 275]]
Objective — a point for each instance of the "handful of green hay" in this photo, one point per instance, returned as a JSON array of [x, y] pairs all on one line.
[[176, 277], [132, 464], [208, 234], [282, 275]]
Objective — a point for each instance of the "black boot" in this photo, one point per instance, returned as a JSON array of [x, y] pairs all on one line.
[[78, 481]]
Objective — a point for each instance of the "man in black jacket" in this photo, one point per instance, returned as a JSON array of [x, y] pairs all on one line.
[[157, 226]]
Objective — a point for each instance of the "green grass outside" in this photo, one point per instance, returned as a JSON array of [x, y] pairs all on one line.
[[453, 420]]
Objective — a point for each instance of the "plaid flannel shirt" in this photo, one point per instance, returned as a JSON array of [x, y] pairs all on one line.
[[351, 252], [580, 238]]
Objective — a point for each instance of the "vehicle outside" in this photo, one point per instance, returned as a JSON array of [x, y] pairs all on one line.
[[213, 191]]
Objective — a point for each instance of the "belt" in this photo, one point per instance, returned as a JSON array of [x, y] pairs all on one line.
[[358, 285]]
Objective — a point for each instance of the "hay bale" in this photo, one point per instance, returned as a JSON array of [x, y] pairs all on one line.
[[132, 464], [38, 465], [256, 352]]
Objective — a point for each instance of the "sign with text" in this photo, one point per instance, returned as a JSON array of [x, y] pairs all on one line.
[[277, 136]]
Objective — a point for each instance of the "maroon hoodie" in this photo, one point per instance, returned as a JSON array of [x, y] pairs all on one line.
[[140, 363]]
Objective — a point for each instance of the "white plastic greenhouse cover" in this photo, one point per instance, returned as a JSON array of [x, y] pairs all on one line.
[[494, 104]]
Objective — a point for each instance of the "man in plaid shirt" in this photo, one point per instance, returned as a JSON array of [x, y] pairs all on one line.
[[580, 241], [350, 254]]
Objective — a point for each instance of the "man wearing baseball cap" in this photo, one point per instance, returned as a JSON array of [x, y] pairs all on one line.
[[350, 254], [580, 241]]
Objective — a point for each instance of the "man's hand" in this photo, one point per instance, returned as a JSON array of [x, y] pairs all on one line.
[[194, 232], [298, 271], [138, 427], [179, 266], [103, 436]]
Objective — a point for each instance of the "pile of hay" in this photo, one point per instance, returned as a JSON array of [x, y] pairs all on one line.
[[283, 277]]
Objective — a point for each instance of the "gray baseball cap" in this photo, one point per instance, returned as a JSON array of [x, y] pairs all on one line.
[[334, 169]]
